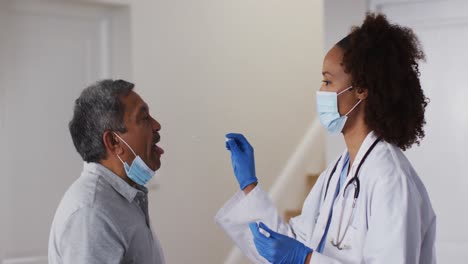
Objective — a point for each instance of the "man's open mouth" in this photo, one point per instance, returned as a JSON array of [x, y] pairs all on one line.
[[155, 147]]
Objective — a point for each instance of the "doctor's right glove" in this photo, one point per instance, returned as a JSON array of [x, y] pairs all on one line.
[[242, 158], [278, 248]]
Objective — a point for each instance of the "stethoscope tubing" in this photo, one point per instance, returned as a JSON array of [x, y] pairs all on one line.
[[357, 188]]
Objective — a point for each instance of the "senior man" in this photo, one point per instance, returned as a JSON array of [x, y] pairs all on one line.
[[103, 217]]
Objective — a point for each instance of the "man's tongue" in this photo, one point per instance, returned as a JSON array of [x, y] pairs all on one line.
[[159, 150]]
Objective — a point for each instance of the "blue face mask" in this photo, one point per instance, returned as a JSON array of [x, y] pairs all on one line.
[[327, 108], [138, 172]]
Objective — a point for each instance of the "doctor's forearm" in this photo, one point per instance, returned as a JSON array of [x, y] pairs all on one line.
[[307, 260], [249, 188]]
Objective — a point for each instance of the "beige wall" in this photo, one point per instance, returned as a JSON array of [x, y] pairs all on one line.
[[210, 67]]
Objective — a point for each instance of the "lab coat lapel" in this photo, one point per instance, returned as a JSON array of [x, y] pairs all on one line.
[[328, 203]]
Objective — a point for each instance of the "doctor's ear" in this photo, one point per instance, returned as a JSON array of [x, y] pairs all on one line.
[[361, 93], [112, 142]]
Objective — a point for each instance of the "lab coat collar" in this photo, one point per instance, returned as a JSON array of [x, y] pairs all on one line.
[[117, 183]]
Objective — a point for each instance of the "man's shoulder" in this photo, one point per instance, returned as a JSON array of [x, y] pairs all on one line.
[[80, 194], [88, 191]]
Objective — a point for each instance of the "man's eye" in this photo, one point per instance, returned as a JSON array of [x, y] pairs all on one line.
[[326, 82]]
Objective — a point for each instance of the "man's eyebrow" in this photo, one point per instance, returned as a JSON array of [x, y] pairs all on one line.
[[327, 72], [142, 110]]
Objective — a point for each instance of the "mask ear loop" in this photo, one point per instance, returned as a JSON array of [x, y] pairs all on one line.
[[353, 107], [125, 144], [345, 90]]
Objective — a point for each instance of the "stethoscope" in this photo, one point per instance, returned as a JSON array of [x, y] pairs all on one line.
[[357, 186]]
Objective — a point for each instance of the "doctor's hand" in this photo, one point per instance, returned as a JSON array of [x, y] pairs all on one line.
[[242, 158], [278, 248]]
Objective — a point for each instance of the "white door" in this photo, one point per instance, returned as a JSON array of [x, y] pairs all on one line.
[[441, 160], [49, 52]]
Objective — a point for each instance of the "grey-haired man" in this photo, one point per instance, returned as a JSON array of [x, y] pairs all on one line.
[[103, 216]]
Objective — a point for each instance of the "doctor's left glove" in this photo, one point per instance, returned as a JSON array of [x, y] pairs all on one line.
[[278, 248], [242, 158]]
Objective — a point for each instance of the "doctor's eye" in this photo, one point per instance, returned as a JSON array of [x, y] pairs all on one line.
[[326, 82]]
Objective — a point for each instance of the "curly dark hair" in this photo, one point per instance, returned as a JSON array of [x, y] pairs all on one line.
[[383, 58]]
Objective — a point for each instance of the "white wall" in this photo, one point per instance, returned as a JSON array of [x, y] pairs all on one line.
[[53, 49], [340, 16], [210, 67], [205, 68]]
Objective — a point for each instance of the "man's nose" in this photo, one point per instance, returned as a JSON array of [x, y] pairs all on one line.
[[156, 125]]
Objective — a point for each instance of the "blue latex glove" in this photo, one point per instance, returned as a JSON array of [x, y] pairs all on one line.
[[278, 248], [242, 158]]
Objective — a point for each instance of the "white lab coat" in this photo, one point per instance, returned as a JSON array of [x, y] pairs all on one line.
[[393, 221]]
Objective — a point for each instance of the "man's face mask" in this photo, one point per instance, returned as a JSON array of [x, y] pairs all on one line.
[[138, 172]]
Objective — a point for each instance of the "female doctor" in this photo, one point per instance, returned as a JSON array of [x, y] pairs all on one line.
[[369, 205]]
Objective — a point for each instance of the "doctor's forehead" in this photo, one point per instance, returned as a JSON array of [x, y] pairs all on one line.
[[332, 63]]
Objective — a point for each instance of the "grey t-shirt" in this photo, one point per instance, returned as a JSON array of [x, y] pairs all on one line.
[[102, 219]]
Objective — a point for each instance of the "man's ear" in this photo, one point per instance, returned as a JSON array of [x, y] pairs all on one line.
[[112, 143], [361, 93]]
